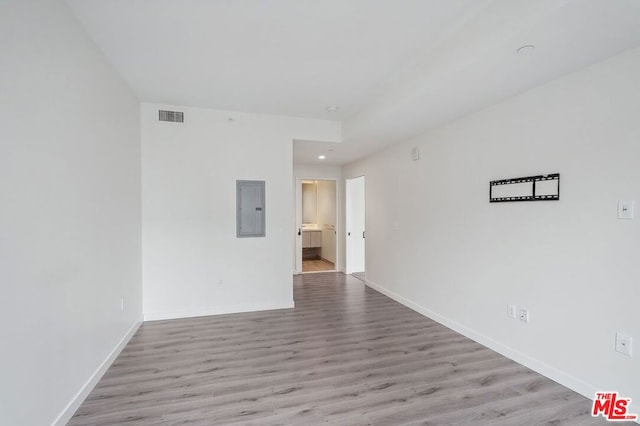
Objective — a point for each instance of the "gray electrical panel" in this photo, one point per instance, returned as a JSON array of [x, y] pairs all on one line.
[[250, 208]]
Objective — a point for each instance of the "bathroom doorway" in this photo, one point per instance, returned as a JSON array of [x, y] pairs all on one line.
[[316, 218]]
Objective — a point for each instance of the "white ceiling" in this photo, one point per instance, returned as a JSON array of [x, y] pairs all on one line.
[[395, 67]]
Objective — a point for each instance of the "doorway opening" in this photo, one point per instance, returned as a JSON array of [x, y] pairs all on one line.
[[316, 245], [355, 222]]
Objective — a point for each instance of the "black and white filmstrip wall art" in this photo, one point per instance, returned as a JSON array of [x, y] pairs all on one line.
[[529, 188]]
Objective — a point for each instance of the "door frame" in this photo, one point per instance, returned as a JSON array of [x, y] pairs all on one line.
[[298, 223]]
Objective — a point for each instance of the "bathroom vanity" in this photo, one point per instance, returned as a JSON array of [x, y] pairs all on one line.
[[311, 238]]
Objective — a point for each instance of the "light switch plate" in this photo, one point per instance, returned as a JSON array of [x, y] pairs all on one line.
[[415, 153], [511, 311], [625, 209]]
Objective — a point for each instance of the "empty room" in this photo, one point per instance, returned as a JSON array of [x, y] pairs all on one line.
[[320, 212]]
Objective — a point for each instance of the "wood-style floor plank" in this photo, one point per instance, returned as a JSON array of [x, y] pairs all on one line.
[[345, 355], [317, 265]]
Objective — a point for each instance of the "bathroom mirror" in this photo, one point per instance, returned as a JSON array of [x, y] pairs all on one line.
[[309, 202]]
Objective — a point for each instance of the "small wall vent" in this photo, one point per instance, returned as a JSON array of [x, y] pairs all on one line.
[[172, 116]]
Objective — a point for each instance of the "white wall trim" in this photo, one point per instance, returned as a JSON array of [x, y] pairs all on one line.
[[84, 392], [585, 389], [219, 310]]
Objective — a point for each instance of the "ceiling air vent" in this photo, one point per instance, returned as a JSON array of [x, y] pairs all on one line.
[[172, 116]]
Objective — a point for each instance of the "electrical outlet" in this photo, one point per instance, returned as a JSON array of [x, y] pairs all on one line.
[[122, 304], [623, 344], [511, 311], [625, 209], [524, 315]]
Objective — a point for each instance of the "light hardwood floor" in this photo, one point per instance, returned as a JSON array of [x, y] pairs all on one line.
[[317, 265], [345, 355]]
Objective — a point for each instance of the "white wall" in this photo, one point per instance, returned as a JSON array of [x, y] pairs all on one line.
[[69, 216], [435, 242], [320, 171], [193, 264]]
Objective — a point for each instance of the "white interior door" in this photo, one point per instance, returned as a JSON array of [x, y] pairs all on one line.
[[355, 216]]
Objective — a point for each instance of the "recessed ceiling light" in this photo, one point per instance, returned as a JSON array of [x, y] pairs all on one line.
[[321, 157], [333, 108], [526, 49]]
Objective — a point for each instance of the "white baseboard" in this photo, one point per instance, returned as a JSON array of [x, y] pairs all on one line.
[[219, 310], [79, 398], [585, 389]]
